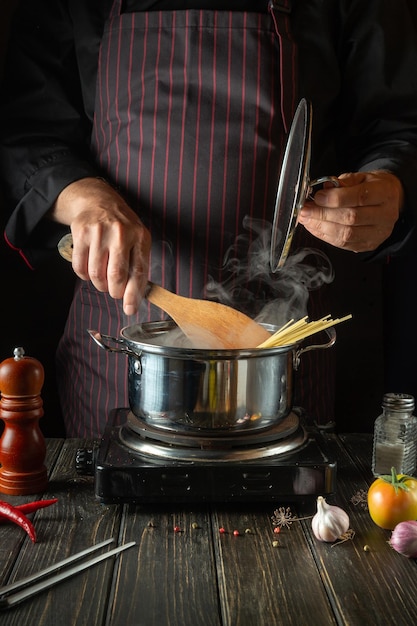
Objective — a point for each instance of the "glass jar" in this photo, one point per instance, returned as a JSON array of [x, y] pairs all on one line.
[[395, 436]]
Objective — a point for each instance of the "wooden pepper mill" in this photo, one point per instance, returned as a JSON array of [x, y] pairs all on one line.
[[22, 445]]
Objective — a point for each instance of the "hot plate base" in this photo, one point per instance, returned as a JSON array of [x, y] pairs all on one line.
[[123, 475]]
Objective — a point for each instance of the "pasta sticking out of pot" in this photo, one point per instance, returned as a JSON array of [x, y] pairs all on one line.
[[294, 332]]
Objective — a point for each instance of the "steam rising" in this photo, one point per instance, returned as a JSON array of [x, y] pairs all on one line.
[[249, 286], [253, 289]]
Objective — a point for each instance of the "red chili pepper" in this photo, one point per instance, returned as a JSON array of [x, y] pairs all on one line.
[[31, 507], [13, 514]]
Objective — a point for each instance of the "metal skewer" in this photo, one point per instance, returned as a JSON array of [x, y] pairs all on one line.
[[29, 589]]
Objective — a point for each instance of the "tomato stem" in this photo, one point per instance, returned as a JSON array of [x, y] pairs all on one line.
[[397, 483]]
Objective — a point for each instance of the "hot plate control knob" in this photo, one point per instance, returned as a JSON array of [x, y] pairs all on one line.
[[85, 461]]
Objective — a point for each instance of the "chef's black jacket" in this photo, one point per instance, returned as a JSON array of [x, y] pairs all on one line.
[[357, 64]]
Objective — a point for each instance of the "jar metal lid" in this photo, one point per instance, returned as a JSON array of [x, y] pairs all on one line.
[[398, 401]]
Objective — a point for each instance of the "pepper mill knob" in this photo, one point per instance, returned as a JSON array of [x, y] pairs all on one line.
[[22, 445]]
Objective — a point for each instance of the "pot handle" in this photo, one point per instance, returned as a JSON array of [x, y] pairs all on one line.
[[101, 339], [331, 333]]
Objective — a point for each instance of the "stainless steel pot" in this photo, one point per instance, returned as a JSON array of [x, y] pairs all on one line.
[[205, 391]]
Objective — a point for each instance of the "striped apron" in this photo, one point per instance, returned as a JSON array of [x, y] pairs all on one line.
[[192, 111]]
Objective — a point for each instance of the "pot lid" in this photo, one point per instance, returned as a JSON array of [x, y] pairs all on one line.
[[293, 186]]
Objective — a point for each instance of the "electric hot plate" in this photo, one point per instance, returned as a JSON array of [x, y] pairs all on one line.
[[140, 464]]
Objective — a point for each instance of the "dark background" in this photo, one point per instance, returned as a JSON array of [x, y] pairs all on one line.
[[34, 305]]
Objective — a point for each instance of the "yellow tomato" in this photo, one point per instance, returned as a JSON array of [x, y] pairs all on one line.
[[393, 499]]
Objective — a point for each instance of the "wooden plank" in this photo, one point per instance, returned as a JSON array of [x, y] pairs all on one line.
[[377, 586], [11, 536], [77, 523], [171, 578], [202, 576], [263, 584], [359, 446]]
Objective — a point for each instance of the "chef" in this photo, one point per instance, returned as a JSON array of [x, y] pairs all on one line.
[[154, 130]]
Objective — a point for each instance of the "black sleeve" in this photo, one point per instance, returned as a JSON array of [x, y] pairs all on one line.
[[357, 65], [379, 97], [45, 130]]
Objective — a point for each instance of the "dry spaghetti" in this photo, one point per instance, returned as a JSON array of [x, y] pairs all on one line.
[[294, 332]]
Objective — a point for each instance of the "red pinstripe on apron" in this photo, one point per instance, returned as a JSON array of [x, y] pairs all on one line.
[[190, 122]]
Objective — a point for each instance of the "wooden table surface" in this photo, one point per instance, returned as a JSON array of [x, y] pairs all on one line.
[[199, 576]]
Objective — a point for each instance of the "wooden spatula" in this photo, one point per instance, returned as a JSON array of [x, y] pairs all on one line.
[[209, 325]]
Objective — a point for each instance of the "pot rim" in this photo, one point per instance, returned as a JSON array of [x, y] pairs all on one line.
[[161, 327]]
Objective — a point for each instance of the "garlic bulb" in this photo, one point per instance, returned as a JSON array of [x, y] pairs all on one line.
[[330, 522], [404, 539]]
